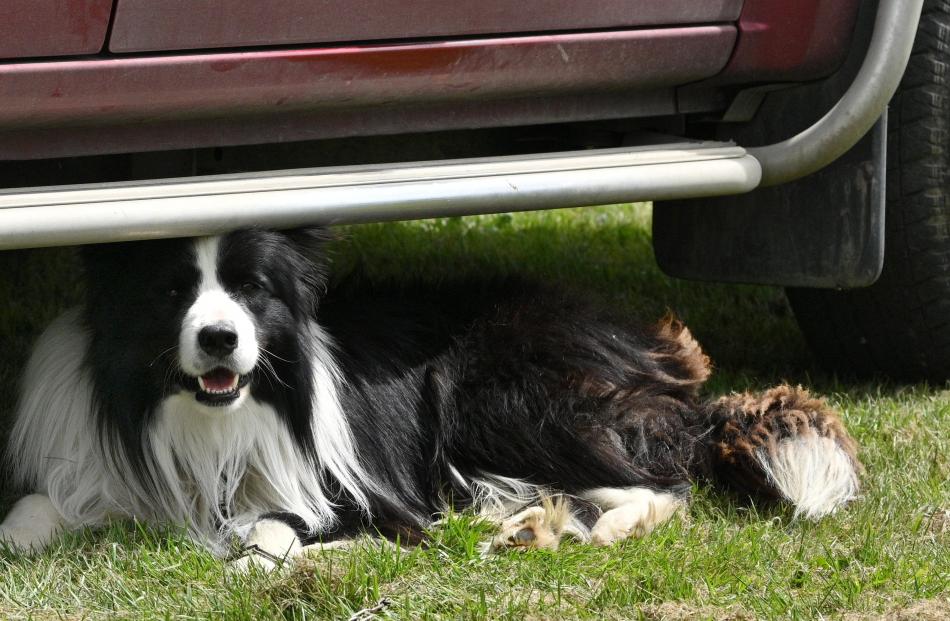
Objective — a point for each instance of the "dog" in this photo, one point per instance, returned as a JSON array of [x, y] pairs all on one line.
[[221, 384]]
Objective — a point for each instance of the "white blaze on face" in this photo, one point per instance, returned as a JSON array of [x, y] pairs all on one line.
[[215, 307]]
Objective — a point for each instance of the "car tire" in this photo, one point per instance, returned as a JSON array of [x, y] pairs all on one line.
[[900, 326]]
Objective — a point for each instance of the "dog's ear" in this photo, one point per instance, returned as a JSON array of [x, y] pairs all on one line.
[[312, 277], [310, 243], [310, 240]]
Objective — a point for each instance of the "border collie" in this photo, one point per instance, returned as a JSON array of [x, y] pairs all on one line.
[[221, 385]]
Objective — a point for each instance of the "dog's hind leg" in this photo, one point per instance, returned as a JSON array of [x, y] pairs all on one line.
[[31, 524], [629, 512], [539, 527], [620, 513]]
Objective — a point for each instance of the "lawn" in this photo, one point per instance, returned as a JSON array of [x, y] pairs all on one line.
[[886, 554]]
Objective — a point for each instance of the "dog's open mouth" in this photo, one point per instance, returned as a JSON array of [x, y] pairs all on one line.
[[220, 386]]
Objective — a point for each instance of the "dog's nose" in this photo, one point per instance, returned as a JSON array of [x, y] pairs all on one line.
[[218, 340]]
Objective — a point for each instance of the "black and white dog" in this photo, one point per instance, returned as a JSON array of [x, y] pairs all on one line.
[[220, 384]]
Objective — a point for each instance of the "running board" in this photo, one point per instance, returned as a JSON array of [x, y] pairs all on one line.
[[110, 212]]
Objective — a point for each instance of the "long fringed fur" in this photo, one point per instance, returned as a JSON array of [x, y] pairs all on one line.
[[215, 476], [374, 406]]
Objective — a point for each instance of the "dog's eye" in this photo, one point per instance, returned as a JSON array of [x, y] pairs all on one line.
[[172, 293], [251, 287]]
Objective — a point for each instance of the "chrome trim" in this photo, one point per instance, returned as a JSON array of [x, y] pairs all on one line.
[[69, 215]]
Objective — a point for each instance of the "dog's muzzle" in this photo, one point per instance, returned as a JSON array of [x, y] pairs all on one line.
[[220, 386]]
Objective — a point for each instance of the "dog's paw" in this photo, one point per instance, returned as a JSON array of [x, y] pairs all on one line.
[[250, 562], [270, 545], [633, 519], [525, 530], [253, 559], [21, 540], [31, 525], [536, 528]]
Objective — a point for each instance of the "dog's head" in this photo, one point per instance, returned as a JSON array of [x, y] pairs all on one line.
[[215, 319]]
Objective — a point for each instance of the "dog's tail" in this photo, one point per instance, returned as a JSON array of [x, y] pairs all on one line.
[[784, 444]]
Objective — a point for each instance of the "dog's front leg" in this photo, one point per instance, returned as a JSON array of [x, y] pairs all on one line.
[[31, 525], [273, 542]]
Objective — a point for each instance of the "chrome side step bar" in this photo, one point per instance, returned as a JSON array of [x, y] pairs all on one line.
[[107, 212]]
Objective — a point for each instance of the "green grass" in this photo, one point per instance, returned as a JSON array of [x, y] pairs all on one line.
[[887, 553]]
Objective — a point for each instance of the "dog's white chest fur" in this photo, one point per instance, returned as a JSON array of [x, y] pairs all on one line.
[[213, 470]]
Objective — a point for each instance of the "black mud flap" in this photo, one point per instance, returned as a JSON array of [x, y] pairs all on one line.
[[825, 230]]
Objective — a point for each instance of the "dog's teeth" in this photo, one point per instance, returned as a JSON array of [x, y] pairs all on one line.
[[233, 385]]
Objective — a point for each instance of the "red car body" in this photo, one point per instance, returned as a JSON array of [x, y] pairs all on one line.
[[81, 77]]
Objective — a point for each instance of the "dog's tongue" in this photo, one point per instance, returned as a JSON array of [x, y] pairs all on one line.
[[219, 380]]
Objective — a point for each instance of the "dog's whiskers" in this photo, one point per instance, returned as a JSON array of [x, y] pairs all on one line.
[[168, 378], [264, 363], [268, 367], [273, 355], [158, 357]]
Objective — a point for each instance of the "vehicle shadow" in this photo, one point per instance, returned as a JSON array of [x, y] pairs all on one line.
[[602, 253], [749, 331]]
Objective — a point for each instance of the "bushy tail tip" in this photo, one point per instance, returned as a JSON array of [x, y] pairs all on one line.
[[785, 443]]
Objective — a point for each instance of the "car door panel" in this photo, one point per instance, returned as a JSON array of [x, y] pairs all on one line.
[[31, 28], [150, 25]]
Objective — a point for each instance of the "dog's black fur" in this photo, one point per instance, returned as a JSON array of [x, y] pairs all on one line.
[[486, 375]]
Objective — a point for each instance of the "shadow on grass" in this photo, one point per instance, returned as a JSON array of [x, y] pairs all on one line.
[[604, 252]]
